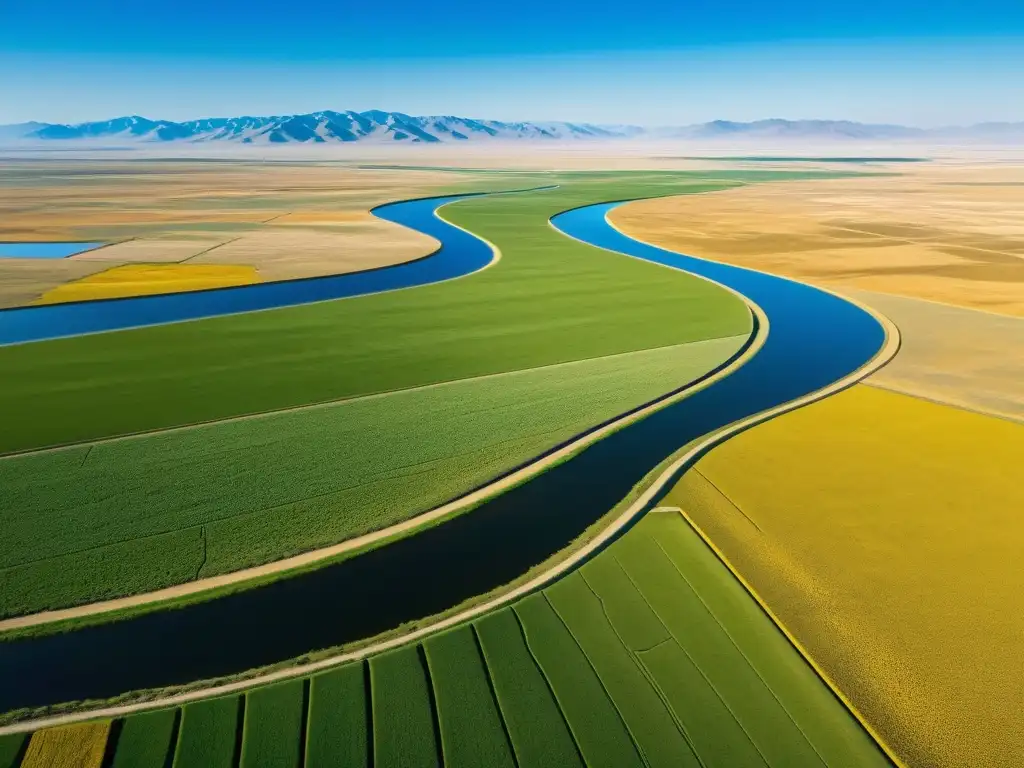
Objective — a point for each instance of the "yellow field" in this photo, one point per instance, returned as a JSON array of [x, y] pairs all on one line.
[[944, 232], [145, 279], [929, 247], [68, 746], [286, 219], [886, 532]]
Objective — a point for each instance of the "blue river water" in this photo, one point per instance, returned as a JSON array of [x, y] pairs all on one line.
[[460, 254], [814, 340], [44, 250]]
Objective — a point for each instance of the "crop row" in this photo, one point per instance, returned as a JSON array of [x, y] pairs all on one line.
[[130, 516], [649, 655]]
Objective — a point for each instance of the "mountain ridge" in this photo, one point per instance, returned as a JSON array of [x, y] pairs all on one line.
[[329, 126]]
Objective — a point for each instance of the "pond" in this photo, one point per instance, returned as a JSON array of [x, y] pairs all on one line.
[[44, 250]]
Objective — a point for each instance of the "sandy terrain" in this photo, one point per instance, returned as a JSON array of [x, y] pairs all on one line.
[[942, 234], [286, 219], [963, 357], [22, 281]]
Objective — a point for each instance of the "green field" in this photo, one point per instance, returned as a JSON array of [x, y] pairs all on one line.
[[143, 513], [548, 300], [651, 654], [578, 335]]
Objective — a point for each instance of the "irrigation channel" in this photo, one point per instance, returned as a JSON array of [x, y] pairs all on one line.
[[814, 340], [460, 254]]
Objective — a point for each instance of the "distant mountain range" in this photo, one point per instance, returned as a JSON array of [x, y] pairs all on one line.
[[389, 127], [316, 127]]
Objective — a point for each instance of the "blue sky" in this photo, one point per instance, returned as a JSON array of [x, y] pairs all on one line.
[[922, 62]]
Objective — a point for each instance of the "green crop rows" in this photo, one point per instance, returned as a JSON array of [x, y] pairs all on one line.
[[548, 300], [651, 654], [129, 516]]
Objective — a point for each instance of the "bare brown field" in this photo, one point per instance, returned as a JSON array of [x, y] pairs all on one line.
[[287, 220]]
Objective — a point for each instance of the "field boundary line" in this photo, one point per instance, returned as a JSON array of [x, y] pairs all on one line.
[[588, 550], [459, 197], [883, 357], [644, 501], [322, 404], [517, 475]]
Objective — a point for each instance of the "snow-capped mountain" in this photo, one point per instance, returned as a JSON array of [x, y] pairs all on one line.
[[315, 127], [390, 127]]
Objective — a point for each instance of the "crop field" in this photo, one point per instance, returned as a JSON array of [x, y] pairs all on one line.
[[652, 654], [953, 355], [285, 219], [947, 231], [140, 279], [133, 515], [229, 495], [70, 746], [133, 380], [884, 532]]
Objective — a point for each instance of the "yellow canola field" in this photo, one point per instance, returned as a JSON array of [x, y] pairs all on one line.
[[68, 746], [145, 279], [886, 532]]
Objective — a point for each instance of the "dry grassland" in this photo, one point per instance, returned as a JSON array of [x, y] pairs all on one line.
[[908, 245], [963, 357], [285, 219], [942, 232], [143, 279], [885, 532]]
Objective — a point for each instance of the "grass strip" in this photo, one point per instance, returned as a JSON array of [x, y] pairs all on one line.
[[472, 732], [807, 702], [12, 748], [272, 735], [208, 735], [146, 740], [536, 725], [595, 723], [404, 725], [338, 735], [656, 733], [706, 642]]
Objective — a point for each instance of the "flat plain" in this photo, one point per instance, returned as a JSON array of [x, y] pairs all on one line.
[[651, 655], [937, 246], [882, 530], [144, 513], [282, 219], [526, 364]]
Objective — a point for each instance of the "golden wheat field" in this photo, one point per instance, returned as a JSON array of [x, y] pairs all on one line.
[[885, 532], [69, 746], [143, 279]]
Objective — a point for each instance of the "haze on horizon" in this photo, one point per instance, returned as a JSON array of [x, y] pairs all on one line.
[[924, 63]]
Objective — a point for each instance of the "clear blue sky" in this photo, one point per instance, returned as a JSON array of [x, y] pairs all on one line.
[[923, 62]]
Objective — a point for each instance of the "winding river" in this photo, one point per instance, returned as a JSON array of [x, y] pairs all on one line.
[[460, 254], [814, 340]]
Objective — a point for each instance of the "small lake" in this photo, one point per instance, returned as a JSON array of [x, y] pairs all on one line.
[[44, 250]]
